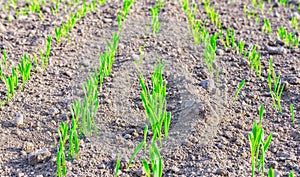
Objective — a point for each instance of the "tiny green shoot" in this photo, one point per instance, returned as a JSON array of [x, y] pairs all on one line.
[[239, 89], [292, 113]]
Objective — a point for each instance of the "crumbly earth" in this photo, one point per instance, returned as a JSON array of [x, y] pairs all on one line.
[[209, 131]]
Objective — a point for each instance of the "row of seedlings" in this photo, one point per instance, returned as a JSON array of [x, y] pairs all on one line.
[[28, 63], [258, 145], [83, 113]]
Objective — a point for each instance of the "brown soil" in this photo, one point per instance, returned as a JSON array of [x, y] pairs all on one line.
[[208, 133]]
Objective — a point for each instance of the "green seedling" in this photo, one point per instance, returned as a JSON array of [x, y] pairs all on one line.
[[295, 23], [24, 68], [58, 34], [117, 166], [271, 172], [15, 78], [11, 83], [107, 59], [213, 15], [196, 32], [254, 3], [241, 45], [261, 6], [221, 37], [227, 39], [155, 161], [73, 135], [90, 105], [126, 7], [292, 40], [10, 89], [155, 103], [291, 174], [106, 62], [185, 5], [140, 146], [101, 2], [255, 63], [43, 59], [267, 26], [155, 22], [283, 2], [210, 51], [278, 88], [54, 10], [113, 46], [257, 144], [292, 113], [73, 141], [257, 19], [282, 33], [119, 18], [60, 157], [5, 58], [48, 48], [36, 64], [239, 89]]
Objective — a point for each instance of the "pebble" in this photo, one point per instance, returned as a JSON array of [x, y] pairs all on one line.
[[208, 84], [107, 20], [135, 57], [69, 74], [175, 169], [221, 172], [19, 120], [28, 147], [2, 28], [39, 156], [294, 80], [53, 111], [276, 50], [220, 52], [101, 166], [127, 136]]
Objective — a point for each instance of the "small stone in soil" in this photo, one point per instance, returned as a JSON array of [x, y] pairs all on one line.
[[19, 120], [39, 156]]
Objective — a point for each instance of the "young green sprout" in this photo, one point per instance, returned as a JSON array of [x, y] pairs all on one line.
[[257, 144], [60, 156], [239, 89], [155, 103], [11, 83], [241, 45], [48, 48], [126, 7], [267, 26], [73, 139], [292, 113], [278, 88], [155, 161], [117, 166], [24, 68], [36, 64], [5, 58], [155, 22], [295, 23], [44, 59], [58, 34], [90, 105], [255, 63]]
